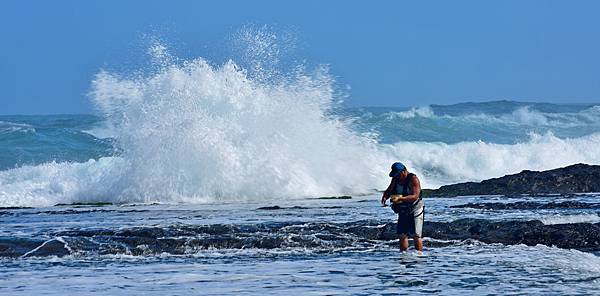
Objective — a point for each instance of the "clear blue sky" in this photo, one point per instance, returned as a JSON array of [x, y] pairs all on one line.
[[391, 53]]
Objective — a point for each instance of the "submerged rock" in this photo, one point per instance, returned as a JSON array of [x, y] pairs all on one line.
[[85, 204], [581, 236], [270, 208], [336, 197], [529, 205], [315, 237], [578, 178], [15, 208]]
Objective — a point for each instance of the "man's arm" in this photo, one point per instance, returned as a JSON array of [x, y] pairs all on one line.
[[416, 189], [388, 192]]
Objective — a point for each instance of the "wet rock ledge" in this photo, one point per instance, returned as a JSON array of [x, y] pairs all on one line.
[[318, 237], [580, 236], [578, 178]]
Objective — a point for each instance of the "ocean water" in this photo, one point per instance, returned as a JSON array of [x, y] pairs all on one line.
[[308, 246], [188, 152]]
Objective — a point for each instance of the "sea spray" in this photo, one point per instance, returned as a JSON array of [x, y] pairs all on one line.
[[195, 132], [198, 132]]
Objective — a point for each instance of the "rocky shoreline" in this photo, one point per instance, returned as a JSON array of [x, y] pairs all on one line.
[[580, 236], [320, 237], [578, 178]]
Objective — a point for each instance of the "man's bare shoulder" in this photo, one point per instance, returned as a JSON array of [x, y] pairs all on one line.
[[415, 177], [415, 180]]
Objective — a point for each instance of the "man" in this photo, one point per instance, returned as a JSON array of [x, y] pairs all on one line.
[[404, 193]]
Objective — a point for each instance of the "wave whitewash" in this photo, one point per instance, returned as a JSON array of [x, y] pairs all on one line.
[[53, 159]]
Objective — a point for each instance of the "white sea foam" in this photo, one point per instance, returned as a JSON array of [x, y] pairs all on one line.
[[441, 163], [569, 219], [52, 183], [527, 116]]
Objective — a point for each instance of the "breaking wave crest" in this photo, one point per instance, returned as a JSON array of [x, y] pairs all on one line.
[[194, 132], [212, 132]]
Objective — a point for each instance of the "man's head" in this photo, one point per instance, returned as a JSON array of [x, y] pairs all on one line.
[[398, 170]]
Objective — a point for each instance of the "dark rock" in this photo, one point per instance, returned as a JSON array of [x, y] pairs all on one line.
[[85, 204], [578, 178], [581, 236], [67, 212], [336, 197], [14, 208], [270, 208]]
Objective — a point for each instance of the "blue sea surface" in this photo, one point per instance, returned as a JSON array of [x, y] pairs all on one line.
[[314, 253], [31, 139]]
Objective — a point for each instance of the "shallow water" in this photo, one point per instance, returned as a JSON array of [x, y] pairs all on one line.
[[317, 254], [468, 268]]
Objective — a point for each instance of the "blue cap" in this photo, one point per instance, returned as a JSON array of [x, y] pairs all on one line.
[[397, 168]]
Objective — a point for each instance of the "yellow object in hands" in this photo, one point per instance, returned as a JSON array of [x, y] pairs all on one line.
[[396, 198]]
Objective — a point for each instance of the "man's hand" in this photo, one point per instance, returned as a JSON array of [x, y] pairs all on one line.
[[396, 198], [383, 200]]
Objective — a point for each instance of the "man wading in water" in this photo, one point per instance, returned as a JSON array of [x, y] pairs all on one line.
[[404, 193]]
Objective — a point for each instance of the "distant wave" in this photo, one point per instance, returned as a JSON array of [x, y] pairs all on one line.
[[428, 124], [529, 116], [33, 140], [412, 113], [524, 115], [12, 127]]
